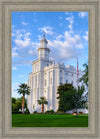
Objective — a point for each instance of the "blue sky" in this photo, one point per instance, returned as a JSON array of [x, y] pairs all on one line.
[[67, 35]]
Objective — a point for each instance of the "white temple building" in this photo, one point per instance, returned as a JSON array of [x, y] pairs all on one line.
[[45, 78]]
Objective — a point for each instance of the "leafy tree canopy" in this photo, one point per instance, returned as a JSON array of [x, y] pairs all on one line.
[[13, 100], [84, 78], [16, 105], [70, 97]]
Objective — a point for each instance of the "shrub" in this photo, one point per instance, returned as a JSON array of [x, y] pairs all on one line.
[[35, 112], [41, 113], [27, 111], [60, 112], [47, 112], [51, 112], [16, 112], [80, 112]]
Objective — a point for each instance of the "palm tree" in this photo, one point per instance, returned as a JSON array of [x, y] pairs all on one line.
[[23, 89], [42, 101]]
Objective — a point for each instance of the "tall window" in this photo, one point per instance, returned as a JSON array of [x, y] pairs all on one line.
[[45, 82], [45, 93], [35, 68], [66, 81], [72, 82], [60, 79], [35, 81]]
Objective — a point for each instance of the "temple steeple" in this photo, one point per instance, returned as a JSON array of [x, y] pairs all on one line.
[[43, 50], [43, 42]]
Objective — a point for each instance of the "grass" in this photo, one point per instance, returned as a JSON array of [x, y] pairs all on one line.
[[41, 120]]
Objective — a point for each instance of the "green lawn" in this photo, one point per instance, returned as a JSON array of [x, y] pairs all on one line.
[[35, 120]]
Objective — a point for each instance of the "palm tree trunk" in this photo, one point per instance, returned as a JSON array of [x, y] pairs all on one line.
[[23, 103], [42, 107]]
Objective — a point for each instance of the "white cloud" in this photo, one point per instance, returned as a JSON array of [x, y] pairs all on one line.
[[59, 37], [35, 44], [39, 37], [70, 26], [14, 68], [65, 46], [86, 36], [31, 52], [24, 48], [14, 54], [22, 43], [83, 14], [13, 34], [24, 23], [71, 21], [22, 38], [47, 30], [79, 46], [68, 40]]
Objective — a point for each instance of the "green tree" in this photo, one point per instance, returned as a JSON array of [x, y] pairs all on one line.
[[42, 101], [84, 78], [71, 98], [79, 98], [13, 103], [23, 89], [13, 100], [18, 105], [25, 101], [65, 93]]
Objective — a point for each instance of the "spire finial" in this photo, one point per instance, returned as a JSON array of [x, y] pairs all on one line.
[[44, 34]]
